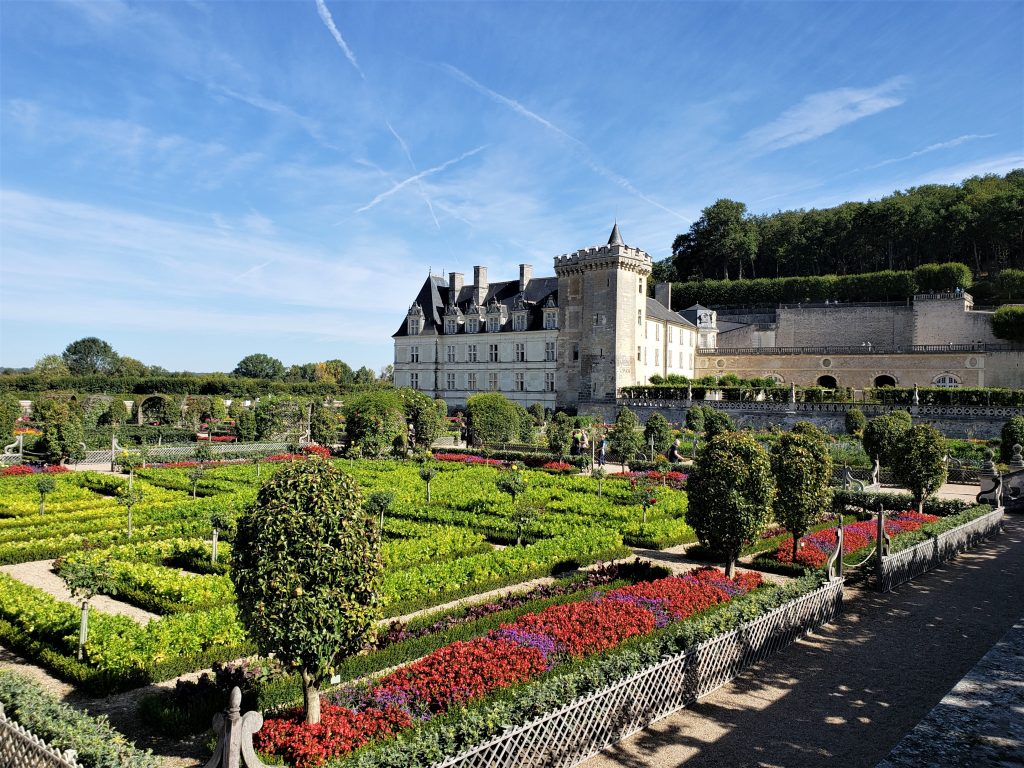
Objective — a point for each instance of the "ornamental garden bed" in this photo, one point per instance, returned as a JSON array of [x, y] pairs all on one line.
[[536, 646]]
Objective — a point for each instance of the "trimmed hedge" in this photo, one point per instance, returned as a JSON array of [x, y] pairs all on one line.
[[868, 502], [95, 742], [870, 286]]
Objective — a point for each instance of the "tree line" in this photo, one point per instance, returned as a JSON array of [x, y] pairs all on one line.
[[979, 222]]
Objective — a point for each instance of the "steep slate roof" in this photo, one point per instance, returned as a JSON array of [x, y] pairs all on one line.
[[615, 238], [434, 299], [658, 311]]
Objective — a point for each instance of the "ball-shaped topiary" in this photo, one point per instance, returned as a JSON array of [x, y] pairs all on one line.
[[305, 564]]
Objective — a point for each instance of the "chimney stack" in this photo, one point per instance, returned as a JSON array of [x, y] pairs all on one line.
[[525, 275], [454, 286], [663, 294], [480, 284]]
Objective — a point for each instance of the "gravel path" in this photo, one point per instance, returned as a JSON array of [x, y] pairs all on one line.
[[40, 574], [848, 694]]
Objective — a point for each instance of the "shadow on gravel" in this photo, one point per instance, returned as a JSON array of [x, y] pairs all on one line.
[[849, 693]]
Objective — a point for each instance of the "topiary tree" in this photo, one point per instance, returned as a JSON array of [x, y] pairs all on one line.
[[324, 424], [525, 425], [658, 428], [855, 422], [717, 422], [921, 468], [245, 425], [422, 412], [427, 473], [599, 474], [203, 453], [62, 434], [731, 492], [492, 418], [537, 412], [116, 414], [45, 485], [220, 520], [695, 418], [311, 602], [625, 438], [882, 436], [128, 496], [512, 482], [195, 476], [378, 504], [85, 579], [802, 470], [1012, 434]]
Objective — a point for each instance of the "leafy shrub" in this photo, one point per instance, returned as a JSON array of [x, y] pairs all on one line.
[[1012, 434], [1008, 322]]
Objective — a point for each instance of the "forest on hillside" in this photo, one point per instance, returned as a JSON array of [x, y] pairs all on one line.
[[979, 222]]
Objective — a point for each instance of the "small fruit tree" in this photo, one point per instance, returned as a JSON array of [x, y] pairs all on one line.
[[85, 579], [45, 485], [625, 438], [883, 434], [305, 565], [731, 493]]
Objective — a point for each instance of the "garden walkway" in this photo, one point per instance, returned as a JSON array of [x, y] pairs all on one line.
[[39, 574], [848, 694]]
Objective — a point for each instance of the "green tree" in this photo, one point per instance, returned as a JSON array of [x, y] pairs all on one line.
[[245, 425], [51, 367], [1008, 322], [269, 415], [512, 482], [855, 422], [625, 438], [195, 476], [259, 366], [730, 494], [45, 485], [10, 410], [1012, 434], [375, 422], [129, 497], [378, 504], [921, 468], [658, 428], [537, 412], [882, 436], [62, 434], [116, 414], [422, 412], [802, 470], [324, 424], [559, 433], [90, 355], [492, 418], [722, 242], [427, 473], [524, 424], [313, 602], [203, 453], [85, 579]]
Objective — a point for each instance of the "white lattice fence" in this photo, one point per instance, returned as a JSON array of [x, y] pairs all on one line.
[[912, 562], [573, 733], [20, 748], [187, 452]]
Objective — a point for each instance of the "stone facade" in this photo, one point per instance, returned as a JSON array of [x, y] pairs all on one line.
[[559, 341]]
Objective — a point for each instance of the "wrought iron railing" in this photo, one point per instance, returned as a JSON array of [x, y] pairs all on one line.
[[874, 349], [20, 748], [910, 563]]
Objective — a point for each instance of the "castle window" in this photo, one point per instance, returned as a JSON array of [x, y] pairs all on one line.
[[550, 321], [520, 353], [451, 325], [599, 318], [492, 353], [670, 334], [549, 382], [946, 380], [451, 381], [520, 382], [657, 333], [656, 356], [639, 317], [519, 322], [471, 381], [415, 325], [638, 354], [492, 381], [549, 350], [472, 325], [471, 353], [682, 362], [414, 380], [494, 324], [640, 285], [414, 354], [451, 353], [575, 351]]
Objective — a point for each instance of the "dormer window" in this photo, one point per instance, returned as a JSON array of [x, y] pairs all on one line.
[[519, 321], [494, 323], [472, 325], [415, 320], [550, 319], [451, 325]]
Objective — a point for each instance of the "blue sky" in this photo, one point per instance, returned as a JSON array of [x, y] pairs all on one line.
[[197, 181]]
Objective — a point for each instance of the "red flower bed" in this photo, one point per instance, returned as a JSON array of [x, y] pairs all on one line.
[[514, 653], [581, 629], [17, 469], [466, 458], [55, 469], [814, 549], [317, 450], [558, 466], [339, 731], [460, 672]]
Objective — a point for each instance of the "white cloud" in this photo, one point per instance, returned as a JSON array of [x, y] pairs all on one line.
[[933, 148], [822, 113]]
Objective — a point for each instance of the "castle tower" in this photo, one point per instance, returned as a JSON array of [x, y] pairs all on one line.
[[602, 298]]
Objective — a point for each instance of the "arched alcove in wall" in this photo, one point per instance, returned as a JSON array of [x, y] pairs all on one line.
[[828, 382]]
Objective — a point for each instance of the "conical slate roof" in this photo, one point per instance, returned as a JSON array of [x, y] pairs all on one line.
[[615, 238]]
